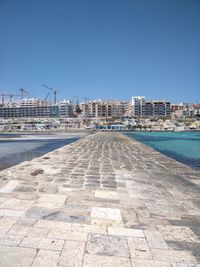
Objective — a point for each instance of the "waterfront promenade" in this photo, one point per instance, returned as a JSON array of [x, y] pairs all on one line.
[[103, 201]]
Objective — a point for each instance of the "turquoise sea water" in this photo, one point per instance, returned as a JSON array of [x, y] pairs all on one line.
[[181, 146]]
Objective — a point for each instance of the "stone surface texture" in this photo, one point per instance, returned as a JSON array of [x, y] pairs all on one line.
[[103, 201]]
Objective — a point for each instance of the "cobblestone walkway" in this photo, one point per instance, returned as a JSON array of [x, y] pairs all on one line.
[[105, 201]]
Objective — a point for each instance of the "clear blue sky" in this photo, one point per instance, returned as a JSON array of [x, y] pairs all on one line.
[[102, 48]]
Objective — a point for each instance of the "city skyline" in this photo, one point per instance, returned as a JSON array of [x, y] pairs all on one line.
[[88, 99], [102, 49], [16, 97]]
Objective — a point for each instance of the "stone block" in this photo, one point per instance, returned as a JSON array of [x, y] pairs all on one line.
[[125, 232], [16, 256], [105, 261], [46, 258], [107, 245], [106, 213], [72, 254], [139, 248], [42, 243]]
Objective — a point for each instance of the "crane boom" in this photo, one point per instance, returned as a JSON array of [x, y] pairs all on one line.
[[48, 87], [54, 92], [46, 97], [22, 92], [10, 97]]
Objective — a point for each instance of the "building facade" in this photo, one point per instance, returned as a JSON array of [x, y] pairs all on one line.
[[99, 109], [66, 109], [26, 112], [143, 108]]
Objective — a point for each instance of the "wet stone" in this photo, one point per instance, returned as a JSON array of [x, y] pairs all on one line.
[[190, 246], [53, 215], [24, 189], [48, 190], [92, 182], [36, 172]]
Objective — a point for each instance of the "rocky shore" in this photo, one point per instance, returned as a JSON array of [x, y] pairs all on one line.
[[103, 201]]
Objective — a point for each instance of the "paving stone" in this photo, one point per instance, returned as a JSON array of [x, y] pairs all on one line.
[[43, 243], [172, 255], [106, 194], [59, 199], [107, 223], [11, 213], [193, 247], [107, 245], [18, 204], [139, 248], [54, 215], [28, 189], [85, 228], [178, 233], [52, 224], [16, 257], [105, 261], [26, 222], [47, 258], [72, 254], [28, 231], [2, 200], [6, 223], [9, 187], [67, 234], [151, 263], [155, 240], [89, 188], [125, 232], [106, 213], [182, 264], [10, 240]]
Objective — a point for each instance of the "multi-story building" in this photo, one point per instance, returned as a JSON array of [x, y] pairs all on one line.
[[161, 108], [99, 108], [185, 110], [149, 109], [33, 102], [37, 108], [139, 106], [26, 112], [29, 108], [66, 109], [143, 108]]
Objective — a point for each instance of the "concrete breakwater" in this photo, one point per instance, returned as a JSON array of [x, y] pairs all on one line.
[[105, 200]]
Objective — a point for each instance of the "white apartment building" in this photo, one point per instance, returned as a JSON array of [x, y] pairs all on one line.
[[66, 109], [139, 106]]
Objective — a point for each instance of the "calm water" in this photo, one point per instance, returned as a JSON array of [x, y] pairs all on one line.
[[15, 149], [181, 146]]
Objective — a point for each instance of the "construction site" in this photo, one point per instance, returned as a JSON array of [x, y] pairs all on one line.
[[24, 105]]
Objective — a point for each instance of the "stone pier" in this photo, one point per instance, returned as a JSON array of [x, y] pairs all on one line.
[[103, 201]]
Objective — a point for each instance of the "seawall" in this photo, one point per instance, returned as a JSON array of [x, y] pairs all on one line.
[[105, 200]]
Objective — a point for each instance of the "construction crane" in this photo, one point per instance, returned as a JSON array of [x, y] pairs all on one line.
[[54, 92], [23, 92], [46, 96], [5, 95]]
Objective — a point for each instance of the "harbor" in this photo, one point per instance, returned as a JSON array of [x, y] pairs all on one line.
[[104, 200]]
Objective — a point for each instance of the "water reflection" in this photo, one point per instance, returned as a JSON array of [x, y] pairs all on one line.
[[13, 152]]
